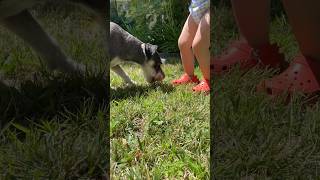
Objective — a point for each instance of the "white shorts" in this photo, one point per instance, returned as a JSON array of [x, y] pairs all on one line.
[[198, 9]]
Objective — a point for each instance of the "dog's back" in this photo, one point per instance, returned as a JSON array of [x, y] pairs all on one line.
[[122, 44]]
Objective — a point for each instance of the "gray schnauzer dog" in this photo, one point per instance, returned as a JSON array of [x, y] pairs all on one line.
[[124, 47]]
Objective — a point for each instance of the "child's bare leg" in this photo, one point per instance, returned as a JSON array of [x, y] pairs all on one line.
[[185, 43], [304, 17], [252, 17], [201, 44]]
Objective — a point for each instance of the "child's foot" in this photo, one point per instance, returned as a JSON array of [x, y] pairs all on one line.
[[186, 79], [203, 86], [301, 76], [241, 53]]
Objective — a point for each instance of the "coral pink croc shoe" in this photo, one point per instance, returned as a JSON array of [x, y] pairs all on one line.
[[241, 53], [186, 79], [203, 86], [301, 76]]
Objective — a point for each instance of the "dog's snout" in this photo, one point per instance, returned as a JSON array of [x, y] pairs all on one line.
[[159, 76], [162, 76]]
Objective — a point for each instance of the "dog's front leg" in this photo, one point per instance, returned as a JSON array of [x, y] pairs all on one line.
[[27, 28], [119, 71]]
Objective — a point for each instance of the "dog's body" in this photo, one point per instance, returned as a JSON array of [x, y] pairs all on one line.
[[124, 47], [14, 15]]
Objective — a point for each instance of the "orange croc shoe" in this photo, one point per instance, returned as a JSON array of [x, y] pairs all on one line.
[[203, 86], [241, 53], [301, 76], [186, 79]]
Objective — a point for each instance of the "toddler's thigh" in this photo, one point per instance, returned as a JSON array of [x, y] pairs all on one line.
[[203, 31], [189, 29]]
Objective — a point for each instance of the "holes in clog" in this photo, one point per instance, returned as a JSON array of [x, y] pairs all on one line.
[[224, 68], [269, 91]]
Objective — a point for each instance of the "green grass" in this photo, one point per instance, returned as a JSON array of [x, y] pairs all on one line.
[[158, 132], [53, 126], [253, 136]]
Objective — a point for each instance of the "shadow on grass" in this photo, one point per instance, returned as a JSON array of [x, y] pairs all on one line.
[[70, 104], [139, 90], [44, 97]]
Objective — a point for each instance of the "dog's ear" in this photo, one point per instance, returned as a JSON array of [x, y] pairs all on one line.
[[149, 50], [153, 48]]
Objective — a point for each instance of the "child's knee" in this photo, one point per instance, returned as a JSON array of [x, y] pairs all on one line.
[[197, 45], [183, 43]]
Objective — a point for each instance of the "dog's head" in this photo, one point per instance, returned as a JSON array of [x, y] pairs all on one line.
[[152, 63]]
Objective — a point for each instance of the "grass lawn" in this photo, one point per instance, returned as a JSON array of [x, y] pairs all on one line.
[[53, 126], [254, 137], [160, 131]]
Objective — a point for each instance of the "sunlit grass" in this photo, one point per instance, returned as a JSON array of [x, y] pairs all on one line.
[[158, 131]]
